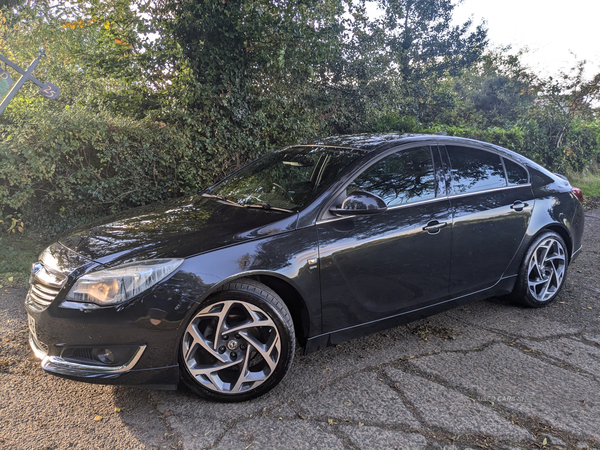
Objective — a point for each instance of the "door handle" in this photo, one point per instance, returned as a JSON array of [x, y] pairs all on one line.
[[519, 205], [434, 227]]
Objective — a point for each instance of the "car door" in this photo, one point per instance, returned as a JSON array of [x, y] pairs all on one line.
[[491, 201], [376, 266]]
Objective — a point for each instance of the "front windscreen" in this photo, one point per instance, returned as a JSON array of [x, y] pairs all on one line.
[[289, 178]]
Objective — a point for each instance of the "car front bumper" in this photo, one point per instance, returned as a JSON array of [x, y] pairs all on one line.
[[73, 339]]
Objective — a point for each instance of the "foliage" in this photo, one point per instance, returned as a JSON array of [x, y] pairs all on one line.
[[162, 98], [425, 47], [89, 164], [495, 91], [554, 116], [587, 180]]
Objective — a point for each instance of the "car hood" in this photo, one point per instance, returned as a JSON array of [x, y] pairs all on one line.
[[174, 229]]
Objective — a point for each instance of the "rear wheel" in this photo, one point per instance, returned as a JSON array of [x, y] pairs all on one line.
[[543, 271], [239, 345]]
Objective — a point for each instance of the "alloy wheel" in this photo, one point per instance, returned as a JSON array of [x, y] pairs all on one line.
[[546, 270], [231, 347]]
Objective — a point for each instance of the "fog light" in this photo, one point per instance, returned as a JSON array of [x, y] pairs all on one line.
[[106, 356]]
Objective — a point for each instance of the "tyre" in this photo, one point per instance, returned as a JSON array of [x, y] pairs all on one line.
[[239, 344], [543, 271]]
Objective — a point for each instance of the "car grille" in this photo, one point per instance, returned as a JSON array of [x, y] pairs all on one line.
[[45, 285]]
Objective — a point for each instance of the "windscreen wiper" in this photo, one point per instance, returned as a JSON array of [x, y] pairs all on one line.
[[262, 205], [265, 205], [221, 198]]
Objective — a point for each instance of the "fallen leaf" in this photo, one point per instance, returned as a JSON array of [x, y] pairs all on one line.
[[10, 278], [545, 441], [98, 418], [117, 409]]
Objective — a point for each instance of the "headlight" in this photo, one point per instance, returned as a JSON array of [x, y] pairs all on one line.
[[116, 285]]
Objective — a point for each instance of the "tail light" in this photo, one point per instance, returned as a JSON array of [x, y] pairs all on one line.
[[577, 193]]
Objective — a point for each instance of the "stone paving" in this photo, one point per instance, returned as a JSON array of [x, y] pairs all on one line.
[[487, 375]]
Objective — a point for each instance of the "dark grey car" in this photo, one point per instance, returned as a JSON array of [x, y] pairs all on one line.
[[312, 244]]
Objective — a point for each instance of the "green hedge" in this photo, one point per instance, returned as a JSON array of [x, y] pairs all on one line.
[[73, 165], [573, 147]]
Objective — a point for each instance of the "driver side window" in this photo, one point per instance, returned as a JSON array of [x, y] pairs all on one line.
[[403, 177]]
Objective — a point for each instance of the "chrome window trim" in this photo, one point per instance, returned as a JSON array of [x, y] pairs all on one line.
[[334, 219], [420, 202], [430, 200], [392, 208], [467, 194]]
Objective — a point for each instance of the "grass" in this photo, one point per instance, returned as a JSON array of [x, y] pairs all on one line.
[[17, 252], [588, 181]]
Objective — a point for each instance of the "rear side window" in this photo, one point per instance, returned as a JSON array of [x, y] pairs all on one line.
[[404, 177], [475, 170], [515, 173]]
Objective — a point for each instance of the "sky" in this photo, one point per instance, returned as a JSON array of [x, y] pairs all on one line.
[[551, 29]]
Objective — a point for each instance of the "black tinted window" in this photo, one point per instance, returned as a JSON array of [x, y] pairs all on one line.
[[402, 177], [515, 173], [475, 170], [289, 178]]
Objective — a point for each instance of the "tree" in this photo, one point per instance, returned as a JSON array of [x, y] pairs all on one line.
[[426, 48], [495, 91], [210, 85]]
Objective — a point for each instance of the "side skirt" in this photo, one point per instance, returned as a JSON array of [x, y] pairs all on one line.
[[502, 287]]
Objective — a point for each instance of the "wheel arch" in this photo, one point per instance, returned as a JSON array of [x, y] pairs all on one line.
[[290, 295], [292, 299], [530, 237], [563, 233]]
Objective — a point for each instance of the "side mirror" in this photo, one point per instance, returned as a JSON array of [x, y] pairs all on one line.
[[360, 203]]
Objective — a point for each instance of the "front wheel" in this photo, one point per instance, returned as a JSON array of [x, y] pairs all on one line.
[[543, 271], [239, 345]]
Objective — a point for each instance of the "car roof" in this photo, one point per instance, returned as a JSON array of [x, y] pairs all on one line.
[[381, 141], [368, 141]]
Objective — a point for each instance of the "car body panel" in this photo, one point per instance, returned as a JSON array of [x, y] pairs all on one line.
[[376, 266], [177, 228], [475, 218]]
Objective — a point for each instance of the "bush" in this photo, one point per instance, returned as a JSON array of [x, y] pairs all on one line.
[[72, 165], [62, 167], [573, 147]]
